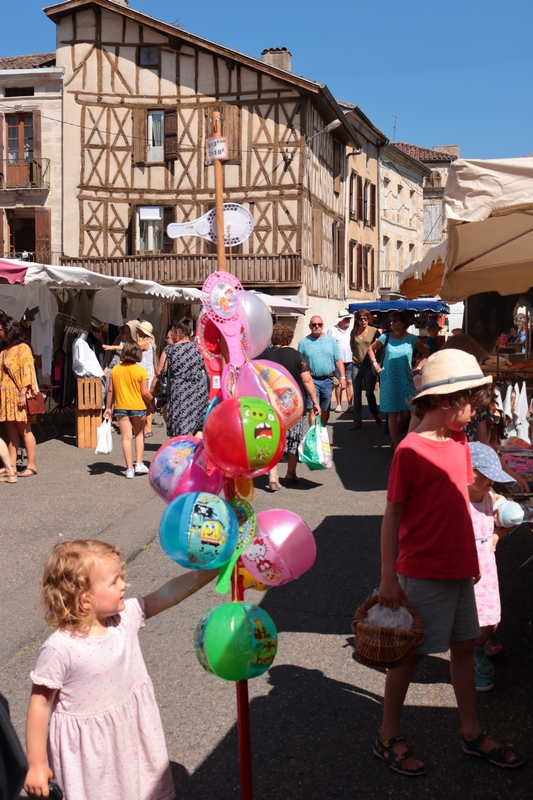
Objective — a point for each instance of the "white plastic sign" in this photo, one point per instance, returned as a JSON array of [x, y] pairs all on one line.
[[217, 149]]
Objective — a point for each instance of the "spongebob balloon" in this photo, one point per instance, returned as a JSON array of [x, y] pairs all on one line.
[[244, 437]]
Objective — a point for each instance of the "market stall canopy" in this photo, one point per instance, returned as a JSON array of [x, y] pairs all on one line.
[[279, 305], [424, 277], [27, 272], [431, 304]]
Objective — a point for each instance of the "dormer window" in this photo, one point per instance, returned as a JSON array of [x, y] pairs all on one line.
[[149, 56]]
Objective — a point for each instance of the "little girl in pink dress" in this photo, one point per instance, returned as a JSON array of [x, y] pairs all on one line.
[[487, 470], [90, 684]]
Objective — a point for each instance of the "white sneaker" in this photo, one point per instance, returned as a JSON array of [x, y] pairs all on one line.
[[141, 469], [338, 409], [129, 473]]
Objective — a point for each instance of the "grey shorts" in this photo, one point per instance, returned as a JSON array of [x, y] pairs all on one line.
[[447, 608]]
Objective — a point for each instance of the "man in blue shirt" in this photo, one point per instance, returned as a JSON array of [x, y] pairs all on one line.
[[432, 341], [321, 352]]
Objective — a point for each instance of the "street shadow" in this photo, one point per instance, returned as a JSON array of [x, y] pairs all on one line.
[[102, 467], [362, 458], [312, 738]]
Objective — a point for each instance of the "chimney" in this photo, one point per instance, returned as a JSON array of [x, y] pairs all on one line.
[[452, 149], [277, 57]]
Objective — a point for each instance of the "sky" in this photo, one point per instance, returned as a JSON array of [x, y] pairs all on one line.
[[445, 73]]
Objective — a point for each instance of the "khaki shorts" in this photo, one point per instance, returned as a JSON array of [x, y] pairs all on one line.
[[447, 609]]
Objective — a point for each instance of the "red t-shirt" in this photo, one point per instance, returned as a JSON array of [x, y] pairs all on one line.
[[436, 537]]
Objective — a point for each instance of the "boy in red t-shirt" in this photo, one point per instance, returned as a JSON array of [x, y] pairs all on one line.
[[428, 553]]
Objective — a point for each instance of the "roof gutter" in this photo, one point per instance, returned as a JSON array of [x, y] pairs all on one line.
[[21, 73]]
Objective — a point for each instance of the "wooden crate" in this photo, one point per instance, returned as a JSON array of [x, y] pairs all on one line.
[[88, 411]]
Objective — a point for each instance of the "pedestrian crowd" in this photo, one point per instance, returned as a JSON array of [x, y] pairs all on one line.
[[93, 723]]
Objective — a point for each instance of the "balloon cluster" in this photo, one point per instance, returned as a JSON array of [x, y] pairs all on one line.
[[253, 403]]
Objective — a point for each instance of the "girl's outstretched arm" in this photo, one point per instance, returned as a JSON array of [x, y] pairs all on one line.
[[39, 773], [177, 589]]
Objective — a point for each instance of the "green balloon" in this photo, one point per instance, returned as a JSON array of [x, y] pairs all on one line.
[[236, 641]]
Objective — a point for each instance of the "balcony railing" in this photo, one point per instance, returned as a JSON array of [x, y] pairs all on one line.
[[39, 257], [390, 280], [193, 269], [25, 173]]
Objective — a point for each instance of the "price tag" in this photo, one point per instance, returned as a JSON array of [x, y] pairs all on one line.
[[217, 149]]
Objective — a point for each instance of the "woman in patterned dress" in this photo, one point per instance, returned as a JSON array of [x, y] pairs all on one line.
[[17, 379], [189, 397]]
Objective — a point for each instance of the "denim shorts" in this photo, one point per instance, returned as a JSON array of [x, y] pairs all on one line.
[[348, 366], [121, 412], [323, 389], [447, 609]]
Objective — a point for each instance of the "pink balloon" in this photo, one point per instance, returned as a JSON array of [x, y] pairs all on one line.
[[181, 465], [282, 549], [269, 381]]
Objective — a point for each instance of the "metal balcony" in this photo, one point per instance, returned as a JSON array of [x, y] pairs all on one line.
[[25, 173], [390, 280]]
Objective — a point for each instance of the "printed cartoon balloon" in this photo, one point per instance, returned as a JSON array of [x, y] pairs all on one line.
[[181, 465], [259, 324], [244, 437], [268, 381], [236, 641], [283, 548], [199, 530]]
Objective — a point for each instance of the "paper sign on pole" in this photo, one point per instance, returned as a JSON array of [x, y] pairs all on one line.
[[216, 149]]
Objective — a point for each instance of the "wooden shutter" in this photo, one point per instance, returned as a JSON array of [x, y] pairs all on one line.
[[372, 205], [231, 127], [169, 215], [360, 203], [3, 250], [140, 136], [371, 267], [2, 167], [359, 266], [171, 135], [43, 235], [37, 148], [340, 246], [337, 166], [317, 236]]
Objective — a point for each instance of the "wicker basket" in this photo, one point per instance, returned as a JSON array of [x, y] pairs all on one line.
[[385, 648]]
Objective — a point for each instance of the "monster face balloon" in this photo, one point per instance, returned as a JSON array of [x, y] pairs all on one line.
[[244, 437]]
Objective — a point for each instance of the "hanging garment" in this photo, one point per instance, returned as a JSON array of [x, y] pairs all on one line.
[[42, 329], [84, 361], [508, 410], [521, 413], [108, 306]]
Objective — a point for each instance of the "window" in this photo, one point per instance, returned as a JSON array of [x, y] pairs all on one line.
[[353, 195], [399, 256], [432, 222], [411, 253], [360, 203], [19, 91], [149, 56], [337, 166], [366, 202], [359, 281], [368, 268], [352, 255], [386, 252], [149, 229], [19, 137], [399, 204], [155, 148]]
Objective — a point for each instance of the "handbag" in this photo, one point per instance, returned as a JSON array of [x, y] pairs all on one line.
[[162, 387], [35, 404], [380, 354], [314, 450], [104, 439]]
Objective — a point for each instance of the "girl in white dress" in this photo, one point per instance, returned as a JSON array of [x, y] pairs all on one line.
[[91, 692]]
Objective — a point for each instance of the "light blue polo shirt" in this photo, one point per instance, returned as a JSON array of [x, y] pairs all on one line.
[[321, 354]]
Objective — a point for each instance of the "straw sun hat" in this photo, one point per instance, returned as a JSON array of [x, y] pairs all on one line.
[[449, 371], [147, 328]]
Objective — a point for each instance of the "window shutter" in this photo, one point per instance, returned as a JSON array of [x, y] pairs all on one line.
[[360, 209], [37, 151], [171, 135], [372, 275], [3, 250], [372, 205], [43, 233], [351, 264], [2, 167], [231, 127], [340, 246], [169, 215], [337, 166], [140, 136], [317, 236], [359, 266]]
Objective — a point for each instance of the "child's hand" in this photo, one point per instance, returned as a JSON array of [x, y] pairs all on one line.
[[36, 782], [390, 593]]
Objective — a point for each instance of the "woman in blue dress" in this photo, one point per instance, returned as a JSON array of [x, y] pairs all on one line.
[[396, 375]]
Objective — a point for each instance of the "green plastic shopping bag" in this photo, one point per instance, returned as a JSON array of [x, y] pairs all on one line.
[[314, 450]]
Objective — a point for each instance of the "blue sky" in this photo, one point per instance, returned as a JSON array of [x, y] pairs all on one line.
[[454, 73]]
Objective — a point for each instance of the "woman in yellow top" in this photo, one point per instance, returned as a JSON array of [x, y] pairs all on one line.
[[17, 379], [128, 390]]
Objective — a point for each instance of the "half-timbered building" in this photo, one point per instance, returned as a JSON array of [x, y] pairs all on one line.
[[139, 95]]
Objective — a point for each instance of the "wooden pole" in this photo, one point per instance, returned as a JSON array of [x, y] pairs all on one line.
[[219, 198]]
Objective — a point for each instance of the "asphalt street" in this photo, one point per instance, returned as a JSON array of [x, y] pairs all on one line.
[[315, 713]]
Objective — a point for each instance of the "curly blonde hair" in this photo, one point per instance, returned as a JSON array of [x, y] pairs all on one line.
[[67, 577]]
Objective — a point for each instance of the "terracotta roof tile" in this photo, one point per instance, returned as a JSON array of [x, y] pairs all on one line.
[[423, 153], [28, 62]]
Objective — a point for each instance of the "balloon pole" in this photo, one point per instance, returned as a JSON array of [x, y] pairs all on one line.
[[243, 713], [219, 198]]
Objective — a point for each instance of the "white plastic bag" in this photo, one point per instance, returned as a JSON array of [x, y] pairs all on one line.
[[104, 440], [383, 617]]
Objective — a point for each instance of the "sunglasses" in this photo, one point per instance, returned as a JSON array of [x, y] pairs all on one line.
[[317, 324], [360, 319]]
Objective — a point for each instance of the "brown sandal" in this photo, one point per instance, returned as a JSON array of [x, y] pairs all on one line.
[[29, 472]]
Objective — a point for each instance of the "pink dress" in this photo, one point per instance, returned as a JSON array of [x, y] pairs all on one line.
[[487, 590], [106, 741]]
